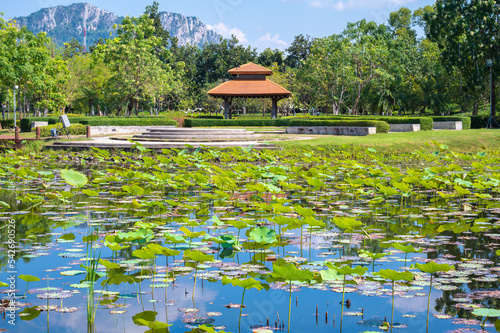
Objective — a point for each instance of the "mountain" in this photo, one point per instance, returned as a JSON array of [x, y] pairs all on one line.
[[62, 23]]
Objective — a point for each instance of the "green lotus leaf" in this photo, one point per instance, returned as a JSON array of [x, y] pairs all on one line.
[[348, 270], [29, 313], [109, 264], [331, 274], [174, 239], [262, 235], [91, 238], [3, 284], [160, 250], [346, 222], [198, 256], [29, 278], [90, 193], [143, 254], [374, 256], [191, 234], [119, 279], [406, 248], [148, 316], [4, 204], [432, 267], [290, 272], [245, 283], [393, 275], [67, 237], [74, 178], [483, 312]]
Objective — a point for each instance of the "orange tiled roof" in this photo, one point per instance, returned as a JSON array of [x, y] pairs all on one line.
[[250, 68], [249, 88]]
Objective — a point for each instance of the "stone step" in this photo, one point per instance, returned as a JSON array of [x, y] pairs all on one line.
[[198, 130], [75, 145]]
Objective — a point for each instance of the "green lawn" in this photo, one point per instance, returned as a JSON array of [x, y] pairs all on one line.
[[460, 141]]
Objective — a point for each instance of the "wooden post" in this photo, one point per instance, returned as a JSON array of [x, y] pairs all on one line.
[[89, 135], [37, 130], [226, 108], [274, 108], [16, 134]]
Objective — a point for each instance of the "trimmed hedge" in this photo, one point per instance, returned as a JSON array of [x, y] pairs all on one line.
[[8, 123], [206, 117], [425, 122], [382, 126], [75, 129], [103, 121], [478, 122], [192, 122], [100, 121], [466, 121], [26, 122]]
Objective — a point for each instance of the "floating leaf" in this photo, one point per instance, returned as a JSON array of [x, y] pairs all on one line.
[[29, 278], [74, 178]]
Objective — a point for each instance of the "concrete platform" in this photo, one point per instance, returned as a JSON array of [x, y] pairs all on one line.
[[447, 125], [405, 128], [111, 144], [331, 130], [205, 134]]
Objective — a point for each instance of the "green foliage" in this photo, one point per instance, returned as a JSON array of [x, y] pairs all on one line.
[[25, 123], [432, 267], [262, 235], [393, 275], [74, 178], [381, 126], [74, 129], [192, 122]]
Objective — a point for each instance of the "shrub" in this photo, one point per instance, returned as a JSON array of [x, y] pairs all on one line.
[[100, 121], [26, 122], [381, 126], [466, 121], [207, 117], [8, 123], [478, 122], [192, 122], [425, 122], [75, 129]]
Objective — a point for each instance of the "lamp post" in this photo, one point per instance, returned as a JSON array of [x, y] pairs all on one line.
[[491, 120], [15, 88]]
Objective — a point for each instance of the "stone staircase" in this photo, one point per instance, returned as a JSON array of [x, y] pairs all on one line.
[[194, 134]]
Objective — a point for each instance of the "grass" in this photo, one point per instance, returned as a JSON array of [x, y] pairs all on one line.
[[463, 141]]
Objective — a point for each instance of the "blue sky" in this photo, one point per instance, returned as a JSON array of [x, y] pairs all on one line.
[[260, 23]]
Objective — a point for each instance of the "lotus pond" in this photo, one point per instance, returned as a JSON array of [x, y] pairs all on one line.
[[246, 241]]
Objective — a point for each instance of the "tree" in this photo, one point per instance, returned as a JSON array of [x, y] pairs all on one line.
[[298, 51], [270, 57], [137, 74], [467, 33]]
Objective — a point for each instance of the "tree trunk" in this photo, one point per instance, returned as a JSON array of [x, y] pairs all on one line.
[[45, 112], [475, 109], [130, 107]]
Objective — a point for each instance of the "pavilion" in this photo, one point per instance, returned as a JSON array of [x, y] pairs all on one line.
[[250, 81]]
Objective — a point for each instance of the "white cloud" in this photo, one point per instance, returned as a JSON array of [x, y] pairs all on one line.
[[341, 5], [273, 42], [226, 32]]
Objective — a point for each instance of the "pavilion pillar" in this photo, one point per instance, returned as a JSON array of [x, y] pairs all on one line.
[[227, 108], [274, 108]]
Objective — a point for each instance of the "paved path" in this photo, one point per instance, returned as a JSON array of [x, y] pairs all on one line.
[[110, 143]]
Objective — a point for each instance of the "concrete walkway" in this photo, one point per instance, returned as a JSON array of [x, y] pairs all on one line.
[[122, 144]]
